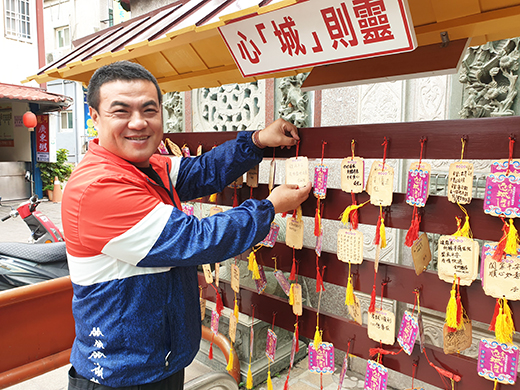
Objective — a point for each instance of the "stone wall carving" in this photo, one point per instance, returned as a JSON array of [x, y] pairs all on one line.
[[231, 107], [294, 104], [429, 98], [381, 103], [173, 112], [488, 71]]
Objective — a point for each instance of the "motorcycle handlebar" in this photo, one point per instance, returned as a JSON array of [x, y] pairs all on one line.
[[6, 218]]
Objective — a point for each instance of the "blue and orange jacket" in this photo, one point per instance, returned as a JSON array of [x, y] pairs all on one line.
[[133, 254]]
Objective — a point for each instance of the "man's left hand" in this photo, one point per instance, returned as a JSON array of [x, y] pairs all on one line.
[[279, 133]]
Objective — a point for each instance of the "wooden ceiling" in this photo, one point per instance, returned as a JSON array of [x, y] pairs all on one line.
[[181, 46]]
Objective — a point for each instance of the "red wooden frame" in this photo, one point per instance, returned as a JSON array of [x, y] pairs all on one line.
[[485, 139]]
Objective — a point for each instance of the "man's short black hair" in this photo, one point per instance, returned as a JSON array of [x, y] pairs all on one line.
[[116, 71]]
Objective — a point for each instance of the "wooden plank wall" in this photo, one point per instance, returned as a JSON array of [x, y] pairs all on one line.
[[486, 139]]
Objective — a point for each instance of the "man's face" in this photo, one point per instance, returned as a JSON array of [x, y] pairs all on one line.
[[129, 121]]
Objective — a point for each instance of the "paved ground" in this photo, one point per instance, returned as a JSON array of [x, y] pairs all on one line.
[[15, 230]]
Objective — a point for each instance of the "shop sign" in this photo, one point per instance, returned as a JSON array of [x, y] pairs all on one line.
[[313, 33]]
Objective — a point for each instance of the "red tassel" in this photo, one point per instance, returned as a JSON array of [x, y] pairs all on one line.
[[286, 385], [292, 276], [317, 221], [501, 246], [413, 231], [235, 198], [377, 240], [284, 214], [495, 314], [220, 305], [297, 337], [210, 354], [459, 306], [372, 307]]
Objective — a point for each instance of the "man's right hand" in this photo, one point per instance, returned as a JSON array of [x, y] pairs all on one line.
[[288, 197]]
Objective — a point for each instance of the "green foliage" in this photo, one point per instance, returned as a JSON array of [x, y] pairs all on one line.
[[61, 168]]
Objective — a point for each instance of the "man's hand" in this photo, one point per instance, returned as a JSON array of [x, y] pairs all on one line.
[[288, 197], [279, 133]]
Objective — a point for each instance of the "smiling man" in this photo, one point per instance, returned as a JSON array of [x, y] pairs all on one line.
[[132, 252]]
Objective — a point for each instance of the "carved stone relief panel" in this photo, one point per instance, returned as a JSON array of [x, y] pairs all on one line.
[[173, 110], [489, 73], [428, 97], [291, 103], [231, 107], [381, 102]]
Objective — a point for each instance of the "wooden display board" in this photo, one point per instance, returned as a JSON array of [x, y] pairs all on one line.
[[486, 139]]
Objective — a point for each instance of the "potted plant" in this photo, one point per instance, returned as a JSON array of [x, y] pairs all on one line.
[[60, 169]]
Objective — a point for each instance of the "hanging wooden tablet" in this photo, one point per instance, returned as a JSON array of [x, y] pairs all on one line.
[[185, 151], [294, 230], [460, 180], [381, 181], [353, 174], [498, 362], [282, 280], [421, 254], [344, 368], [208, 273], [272, 174], [321, 173], [215, 318], [202, 302], [270, 240], [460, 340], [376, 376], [261, 283], [321, 360], [215, 210], [502, 196], [176, 151], [252, 177], [408, 332], [350, 246], [235, 278], [382, 184], [188, 209], [270, 347], [233, 321], [295, 299], [355, 311], [162, 148], [458, 255], [381, 326], [199, 150], [297, 171], [500, 278], [418, 184]]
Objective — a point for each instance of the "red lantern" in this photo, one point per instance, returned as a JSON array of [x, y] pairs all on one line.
[[29, 120]]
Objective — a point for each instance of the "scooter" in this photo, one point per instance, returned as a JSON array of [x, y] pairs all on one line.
[[25, 263], [43, 230]]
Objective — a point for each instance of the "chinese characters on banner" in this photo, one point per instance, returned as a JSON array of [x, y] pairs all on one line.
[[6, 127], [319, 32], [42, 138]]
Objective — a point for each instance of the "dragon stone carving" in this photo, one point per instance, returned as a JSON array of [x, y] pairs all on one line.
[[489, 74], [172, 103], [294, 102]]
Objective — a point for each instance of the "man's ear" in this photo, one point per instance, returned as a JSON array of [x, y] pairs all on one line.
[[94, 115]]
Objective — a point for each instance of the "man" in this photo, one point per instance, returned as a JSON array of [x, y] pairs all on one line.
[[132, 252]]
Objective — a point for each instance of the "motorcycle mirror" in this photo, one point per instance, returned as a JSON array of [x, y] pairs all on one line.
[[28, 176]]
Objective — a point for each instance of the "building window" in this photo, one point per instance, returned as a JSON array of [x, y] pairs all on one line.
[[67, 123], [62, 37], [17, 19]]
